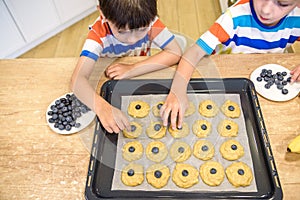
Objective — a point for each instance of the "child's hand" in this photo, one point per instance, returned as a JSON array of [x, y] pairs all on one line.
[[112, 119], [295, 74], [175, 106], [118, 71]]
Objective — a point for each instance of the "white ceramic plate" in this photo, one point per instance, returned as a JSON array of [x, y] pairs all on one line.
[[85, 119], [273, 93]]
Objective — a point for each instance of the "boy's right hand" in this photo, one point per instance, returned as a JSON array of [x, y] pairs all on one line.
[[113, 119], [174, 106]]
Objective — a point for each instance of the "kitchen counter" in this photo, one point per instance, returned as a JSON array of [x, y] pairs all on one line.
[[37, 163]]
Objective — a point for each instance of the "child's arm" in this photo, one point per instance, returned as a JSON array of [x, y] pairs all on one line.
[[295, 74], [169, 56], [112, 119], [177, 101]]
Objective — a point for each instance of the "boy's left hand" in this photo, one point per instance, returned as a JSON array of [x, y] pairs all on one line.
[[118, 71], [295, 74]]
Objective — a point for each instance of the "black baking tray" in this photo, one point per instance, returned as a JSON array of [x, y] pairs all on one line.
[[103, 152]]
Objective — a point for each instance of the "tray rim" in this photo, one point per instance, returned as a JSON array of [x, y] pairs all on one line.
[[276, 194]]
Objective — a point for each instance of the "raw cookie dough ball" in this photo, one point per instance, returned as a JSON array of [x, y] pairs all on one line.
[[208, 108], [231, 109], [132, 175], [190, 110], [232, 150], [156, 108], [239, 174], [202, 128], [156, 151], [228, 128], [138, 109], [135, 132], [180, 151], [204, 150], [158, 175], [132, 151], [156, 130], [212, 173], [185, 175], [180, 133]]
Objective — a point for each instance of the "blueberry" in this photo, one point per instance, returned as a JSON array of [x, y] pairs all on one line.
[[279, 87], [241, 172], [51, 120], [209, 107], [180, 150], [157, 127], [233, 147], [266, 78], [204, 148], [185, 173], [138, 107], [231, 108], [77, 125], [284, 82], [284, 73], [289, 79], [159, 106], [280, 78], [259, 79], [284, 91], [267, 86], [264, 70], [228, 127], [269, 71], [54, 116], [61, 127], [57, 102], [132, 128], [50, 112], [157, 174], [179, 128], [68, 127], [155, 150], [213, 171], [131, 149], [130, 172], [203, 127]]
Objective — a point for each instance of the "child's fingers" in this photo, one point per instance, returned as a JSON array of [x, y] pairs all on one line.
[[174, 115], [295, 75], [164, 113]]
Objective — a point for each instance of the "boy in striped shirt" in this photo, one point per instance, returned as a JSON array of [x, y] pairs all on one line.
[[249, 26], [124, 28]]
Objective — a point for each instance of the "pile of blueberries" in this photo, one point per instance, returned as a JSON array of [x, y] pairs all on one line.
[[65, 111], [277, 79]]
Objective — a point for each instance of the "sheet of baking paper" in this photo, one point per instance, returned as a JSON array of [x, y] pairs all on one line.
[[214, 137]]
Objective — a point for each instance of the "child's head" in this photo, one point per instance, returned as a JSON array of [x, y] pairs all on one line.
[[129, 20], [270, 12]]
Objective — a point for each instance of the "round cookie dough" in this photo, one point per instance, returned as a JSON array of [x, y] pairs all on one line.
[[156, 151], [135, 132], [132, 175], [239, 174], [231, 109], [185, 175], [180, 151], [208, 108], [190, 110], [202, 128], [156, 108], [156, 130], [204, 150], [228, 128], [132, 151], [180, 133], [158, 175], [138, 109], [212, 173], [232, 150]]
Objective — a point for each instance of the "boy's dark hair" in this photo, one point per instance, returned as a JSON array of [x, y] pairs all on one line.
[[134, 13]]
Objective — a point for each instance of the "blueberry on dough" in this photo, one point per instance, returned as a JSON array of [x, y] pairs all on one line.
[[180, 150], [213, 171], [185, 173], [155, 150], [241, 172], [157, 174], [130, 172], [157, 127], [138, 106]]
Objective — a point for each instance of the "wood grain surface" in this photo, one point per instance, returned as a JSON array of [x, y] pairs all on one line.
[[37, 163]]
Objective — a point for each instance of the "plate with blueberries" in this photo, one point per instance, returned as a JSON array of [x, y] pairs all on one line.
[[273, 82], [68, 115]]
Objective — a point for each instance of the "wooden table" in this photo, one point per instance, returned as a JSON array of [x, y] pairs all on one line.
[[37, 163]]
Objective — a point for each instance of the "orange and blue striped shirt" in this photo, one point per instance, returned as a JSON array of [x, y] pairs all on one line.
[[100, 41], [238, 30]]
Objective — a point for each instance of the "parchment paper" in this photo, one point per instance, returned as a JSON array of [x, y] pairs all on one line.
[[214, 137]]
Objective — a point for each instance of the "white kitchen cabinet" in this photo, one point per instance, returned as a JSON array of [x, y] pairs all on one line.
[[68, 9], [26, 23], [10, 39]]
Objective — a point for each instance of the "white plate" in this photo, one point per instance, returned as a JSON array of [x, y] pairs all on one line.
[[85, 119], [273, 93]]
